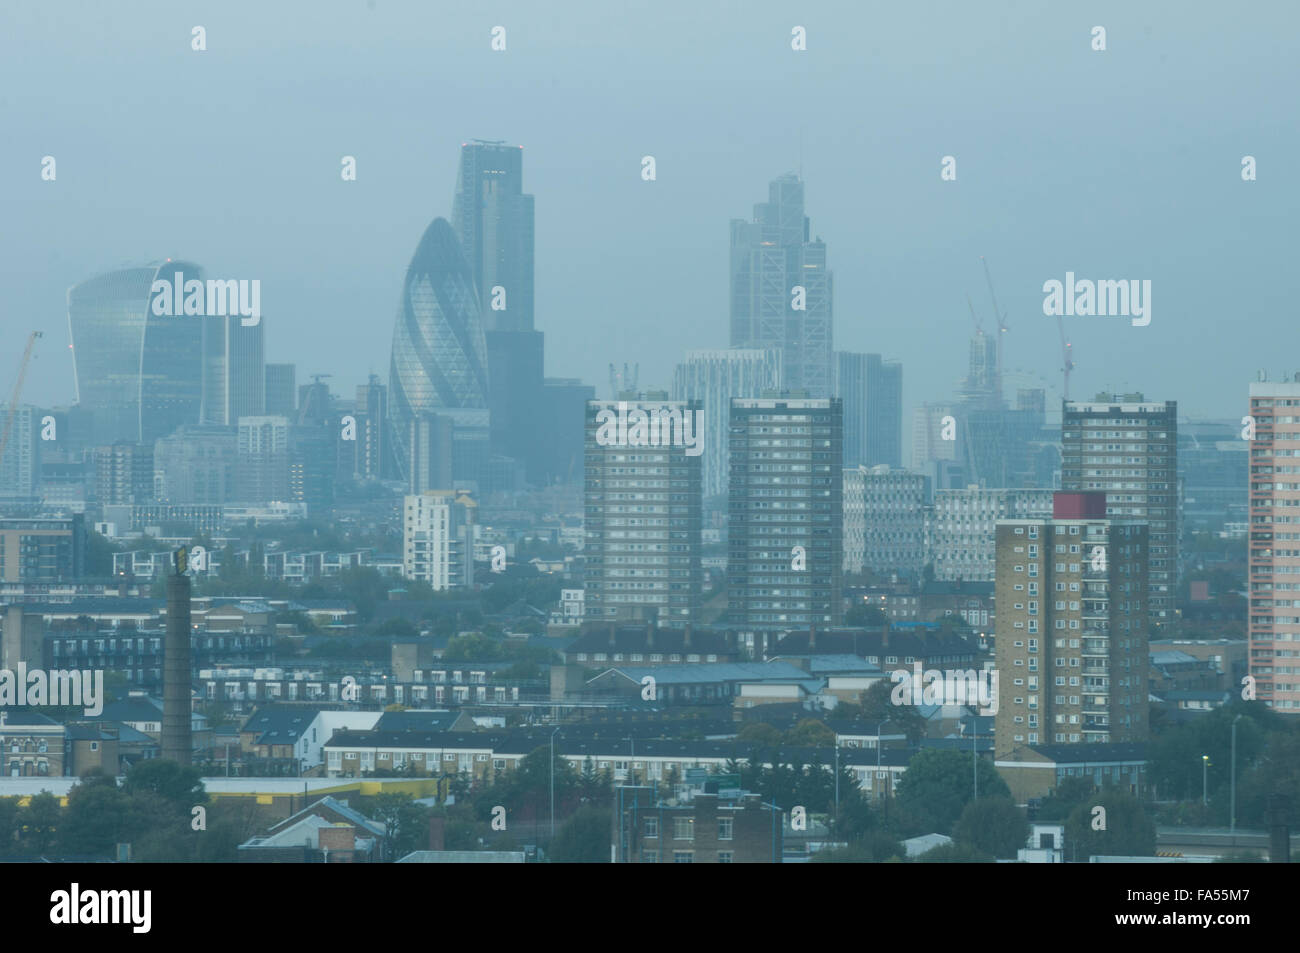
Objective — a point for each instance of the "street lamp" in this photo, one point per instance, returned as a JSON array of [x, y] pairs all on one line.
[[1205, 783], [548, 846]]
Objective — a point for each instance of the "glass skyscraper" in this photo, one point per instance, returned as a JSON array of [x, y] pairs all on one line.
[[439, 362], [140, 374]]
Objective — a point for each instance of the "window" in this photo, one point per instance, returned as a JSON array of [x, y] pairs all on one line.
[[724, 856], [652, 827], [684, 828], [499, 764], [725, 827], [683, 857]]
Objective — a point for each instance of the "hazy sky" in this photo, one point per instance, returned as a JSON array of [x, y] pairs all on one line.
[[1117, 164]]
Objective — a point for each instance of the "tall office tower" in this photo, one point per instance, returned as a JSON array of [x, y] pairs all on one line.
[[124, 474], [262, 459], [369, 450], [781, 289], [197, 465], [564, 404], [139, 372], [930, 423], [643, 504], [786, 545], [20, 466], [1071, 651], [281, 399], [493, 219], [713, 377], [1128, 448], [964, 523], [234, 370], [872, 391], [438, 538], [43, 550], [884, 519], [429, 440], [1274, 629], [439, 355]]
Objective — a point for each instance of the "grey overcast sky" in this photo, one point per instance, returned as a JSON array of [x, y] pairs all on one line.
[[1117, 164]]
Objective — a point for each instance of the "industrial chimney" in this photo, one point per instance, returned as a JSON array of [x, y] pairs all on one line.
[[176, 744]]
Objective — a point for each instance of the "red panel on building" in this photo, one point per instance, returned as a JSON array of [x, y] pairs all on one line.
[[1079, 506]]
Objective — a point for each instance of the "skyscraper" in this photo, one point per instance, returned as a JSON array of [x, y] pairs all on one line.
[[439, 362], [713, 377], [262, 454], [785, 538], [141, 374], [872, 391], [781, 288], [234, 370], [642, 553], [1128, 448], [1071, 627], [493, 219], [280, 392], [20, 465], [1274, 628]]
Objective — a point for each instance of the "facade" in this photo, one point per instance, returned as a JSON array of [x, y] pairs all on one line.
[[196, 465], [280, 391], [141, 374], [439, 359], [563, 407], [234, 370], [786, 495], [928, 445], [1128, 448], [1071, 648], [1213, 468], [262, 459], [124, 474], [872, 391], [713, 377], [963, 528], [20, 465], [706, 829], [781, 289], [1274, 627], [884, 519], [643, 517], [368, 452], [40, 550], [437, 538]]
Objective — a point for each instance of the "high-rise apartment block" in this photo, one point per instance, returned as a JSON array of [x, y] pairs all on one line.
[[643, 502], [438, 540], [786, 532], [1071, 652], [1128, 448], [1274, 628], [124, 474]]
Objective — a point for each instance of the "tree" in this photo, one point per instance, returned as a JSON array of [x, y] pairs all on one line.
[[993, 825], [1069, 793], [759, 732], [810, 733], [406, 824], [179, 785], [584, 838], [1127, 831], [39, 822], [878, 708], [938, 784], [9, 813], [864, 615], [876, 848]]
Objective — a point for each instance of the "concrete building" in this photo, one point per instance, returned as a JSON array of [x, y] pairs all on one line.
[[786, 533], [437, 538], [1274, 626], [884, 520], [643, 510], [962, 528], [42, 549], [1071, 648], [872, 391], [1127, 447]]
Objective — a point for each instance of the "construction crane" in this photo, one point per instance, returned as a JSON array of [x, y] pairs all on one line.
[[1066, 356], [1001, 320], [18, 390]]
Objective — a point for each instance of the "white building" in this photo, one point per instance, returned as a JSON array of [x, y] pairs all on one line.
[[963, 528], [436, 538], [884, 519]]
